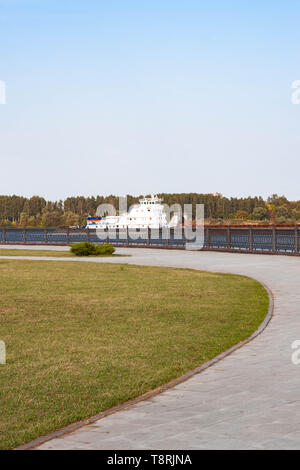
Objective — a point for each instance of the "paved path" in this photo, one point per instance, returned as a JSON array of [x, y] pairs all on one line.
[[35, 247], [249, 400]]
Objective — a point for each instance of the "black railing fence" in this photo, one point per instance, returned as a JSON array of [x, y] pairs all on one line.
[[267, 239]]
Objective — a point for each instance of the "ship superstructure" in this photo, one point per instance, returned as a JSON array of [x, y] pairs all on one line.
[[149, 212]]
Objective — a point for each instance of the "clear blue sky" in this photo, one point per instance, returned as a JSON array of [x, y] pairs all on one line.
[[149, 96]]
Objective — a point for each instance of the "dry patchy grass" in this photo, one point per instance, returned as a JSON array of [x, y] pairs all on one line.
[[41, 253]]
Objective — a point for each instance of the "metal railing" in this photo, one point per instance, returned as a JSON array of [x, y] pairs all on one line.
[[250, 239]]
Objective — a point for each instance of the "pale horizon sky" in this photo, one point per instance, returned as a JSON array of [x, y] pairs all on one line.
[[114, 97]]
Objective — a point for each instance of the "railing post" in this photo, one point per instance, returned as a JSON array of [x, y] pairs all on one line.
[[250, 239], [68, 235], [207, 237], [171, 240], [45, 235], [148, 236], [228, 238], [88, 235], [274, 239], [24, 235], [127, 235], [296, 240], [167, 233], [107, 235], [4, 235]]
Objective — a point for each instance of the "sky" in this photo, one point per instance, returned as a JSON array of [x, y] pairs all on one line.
[[139, 97]]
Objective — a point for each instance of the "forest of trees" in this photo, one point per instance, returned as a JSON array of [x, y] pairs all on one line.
[[18, 211]]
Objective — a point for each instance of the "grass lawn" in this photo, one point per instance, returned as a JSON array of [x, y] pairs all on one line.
[[83, 337], [54, 253]]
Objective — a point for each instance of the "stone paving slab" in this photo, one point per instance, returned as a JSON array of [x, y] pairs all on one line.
[[249, 400]]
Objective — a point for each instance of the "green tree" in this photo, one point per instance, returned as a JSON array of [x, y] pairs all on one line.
[[259, 213], [282, 211], [277, 200], [69, 218], [27, 220], [51, 218], [240, 214]]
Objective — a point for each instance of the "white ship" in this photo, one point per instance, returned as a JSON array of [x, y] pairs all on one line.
[[150, 212]]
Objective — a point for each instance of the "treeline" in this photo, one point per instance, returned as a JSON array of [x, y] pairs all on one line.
[[37, 212]]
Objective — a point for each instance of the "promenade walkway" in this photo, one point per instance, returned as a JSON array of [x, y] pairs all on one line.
[[249, 400]]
